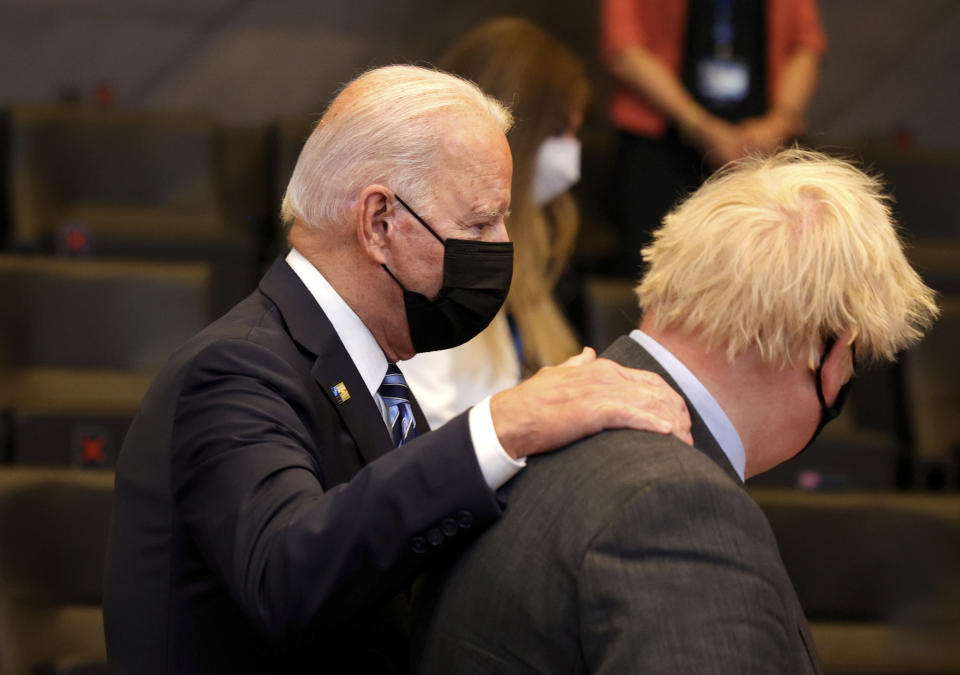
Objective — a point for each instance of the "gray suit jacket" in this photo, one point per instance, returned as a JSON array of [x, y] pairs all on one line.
[[626, 552]]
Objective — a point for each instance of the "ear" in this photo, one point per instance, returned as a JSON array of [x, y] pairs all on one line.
[[838, 366], [376, 212]]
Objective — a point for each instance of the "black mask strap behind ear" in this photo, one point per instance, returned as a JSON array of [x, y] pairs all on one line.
[[831, 412], [422, 221]]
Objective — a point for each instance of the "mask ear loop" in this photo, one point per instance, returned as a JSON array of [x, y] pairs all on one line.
[[823, 358], [394, 277], [422, 221]]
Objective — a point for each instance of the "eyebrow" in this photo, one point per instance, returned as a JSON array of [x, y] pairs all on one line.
[[490, 214]]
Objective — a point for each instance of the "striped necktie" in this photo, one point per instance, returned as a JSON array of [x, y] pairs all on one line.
[[396, 395]]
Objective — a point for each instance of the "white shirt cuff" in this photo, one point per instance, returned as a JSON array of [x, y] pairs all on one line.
[[496, 465]]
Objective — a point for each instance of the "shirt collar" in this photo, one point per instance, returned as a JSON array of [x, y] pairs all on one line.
[[705, 404], [359, 342]]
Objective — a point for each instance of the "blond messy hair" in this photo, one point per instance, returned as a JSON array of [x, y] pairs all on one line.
[[383, 127], [781, 253]]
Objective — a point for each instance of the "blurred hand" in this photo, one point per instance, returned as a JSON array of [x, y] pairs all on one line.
[[767, 133], [580, 397], [718, 140]]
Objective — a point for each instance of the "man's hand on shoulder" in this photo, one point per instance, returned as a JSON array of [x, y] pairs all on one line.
[[580, 397]]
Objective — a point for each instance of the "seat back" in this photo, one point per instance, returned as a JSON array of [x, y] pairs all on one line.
[[79, 344], [131, 184], [869, 556], [876, 574], [53, 535], [923, 185], [98, 314], [932, 379], [843, 457], [112, 171]]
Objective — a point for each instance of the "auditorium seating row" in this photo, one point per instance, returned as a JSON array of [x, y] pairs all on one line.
[[125, 231], [88, 183], [80, 341], [128, 183], [875, 572]]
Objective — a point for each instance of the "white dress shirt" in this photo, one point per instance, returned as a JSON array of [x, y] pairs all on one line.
[[705, 404], [449, 381], [495, 464]]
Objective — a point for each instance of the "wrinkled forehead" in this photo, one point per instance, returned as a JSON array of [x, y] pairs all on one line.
[[467, 142]]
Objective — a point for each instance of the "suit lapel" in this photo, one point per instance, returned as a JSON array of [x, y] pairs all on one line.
[[627, 352], [333, 370]]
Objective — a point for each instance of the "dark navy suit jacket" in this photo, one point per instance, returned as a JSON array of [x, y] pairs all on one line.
[[263, 522]]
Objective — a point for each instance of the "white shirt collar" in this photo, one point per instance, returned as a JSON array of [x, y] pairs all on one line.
[[706, 405], [359, 342]]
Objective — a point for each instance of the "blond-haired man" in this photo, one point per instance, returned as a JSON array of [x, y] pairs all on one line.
[[631, 552], [278, 486]]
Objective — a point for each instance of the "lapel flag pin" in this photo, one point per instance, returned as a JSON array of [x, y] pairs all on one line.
[[340, 392]]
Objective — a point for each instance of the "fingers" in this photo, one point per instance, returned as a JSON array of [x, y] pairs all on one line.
[[650, 404], [583, 358], [629, 396], [654, 406], [656, 387], [585, 395]]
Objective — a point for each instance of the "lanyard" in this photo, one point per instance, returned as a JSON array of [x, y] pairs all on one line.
[[723, 28]]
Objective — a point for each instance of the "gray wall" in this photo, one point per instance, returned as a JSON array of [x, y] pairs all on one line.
[[892, 64]]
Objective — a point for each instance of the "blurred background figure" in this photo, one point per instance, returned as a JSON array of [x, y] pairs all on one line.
[[546, 86], [700, 83]]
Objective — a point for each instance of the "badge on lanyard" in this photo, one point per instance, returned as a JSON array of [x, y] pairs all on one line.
[[723, 77]]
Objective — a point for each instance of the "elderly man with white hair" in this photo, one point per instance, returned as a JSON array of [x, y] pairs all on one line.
[[635, 553], [278, 492]]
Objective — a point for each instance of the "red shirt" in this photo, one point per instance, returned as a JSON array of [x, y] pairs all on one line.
[[660, 27]]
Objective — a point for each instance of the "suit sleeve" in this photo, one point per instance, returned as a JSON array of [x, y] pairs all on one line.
[[677, 583], [297, 558]]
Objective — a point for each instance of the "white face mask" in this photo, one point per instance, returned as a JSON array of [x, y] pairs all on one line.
[[557, 168]]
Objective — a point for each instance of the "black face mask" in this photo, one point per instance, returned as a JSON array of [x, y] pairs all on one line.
[[476, 279], [829, 413]]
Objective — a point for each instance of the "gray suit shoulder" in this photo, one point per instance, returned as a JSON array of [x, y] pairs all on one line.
[[530, 563], [618, 464]]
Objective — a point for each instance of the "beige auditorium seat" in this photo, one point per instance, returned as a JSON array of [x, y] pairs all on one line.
[[932, 378], [53, 533], [80, 342], [122, 183], [878, 575]]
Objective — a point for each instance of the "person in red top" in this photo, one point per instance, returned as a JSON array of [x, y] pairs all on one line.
[[700, 83]]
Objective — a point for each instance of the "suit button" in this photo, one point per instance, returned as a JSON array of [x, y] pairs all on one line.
[[434, 536], [464, 519], [418, 544], [449, 526]]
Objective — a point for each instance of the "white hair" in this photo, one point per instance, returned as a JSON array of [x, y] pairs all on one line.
[[383, 127]]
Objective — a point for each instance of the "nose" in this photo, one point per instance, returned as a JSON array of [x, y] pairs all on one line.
[[499, 232]]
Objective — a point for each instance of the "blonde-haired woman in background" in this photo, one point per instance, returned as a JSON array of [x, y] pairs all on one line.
[[546, 87]]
